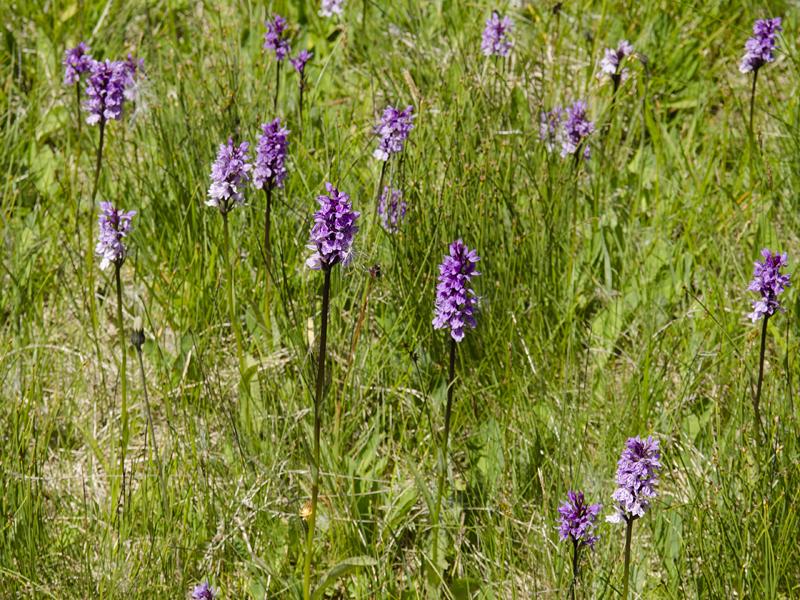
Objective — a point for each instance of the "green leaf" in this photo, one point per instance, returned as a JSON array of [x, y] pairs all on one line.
[[422, 485], [491, 463], [464, 589], [343, 569], [400, 507]]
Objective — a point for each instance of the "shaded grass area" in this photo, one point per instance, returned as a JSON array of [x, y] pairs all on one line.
[[613, 303]]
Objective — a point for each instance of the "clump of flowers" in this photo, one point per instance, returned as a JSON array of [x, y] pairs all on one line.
[[637, 479], [76, 62], [392, 209], [578, 519], [612, 61], [107, 89], [758, 52], [393, 129], [455, 299], [331, 7], [568, 128], [276, 38], [770, 283], [114, 227], [760, 47], [299, 62], [497, 36], [577, 128], [270, 167], [333, 230], [577, 525], [230, 173], [203, 591]]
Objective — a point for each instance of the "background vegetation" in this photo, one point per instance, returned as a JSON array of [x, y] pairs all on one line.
[[613, 303]]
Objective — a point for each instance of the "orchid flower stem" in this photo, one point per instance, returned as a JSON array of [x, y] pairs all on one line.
[[380, 184], [78, 109], [267, 259], [575, 562], [90, 247], [302, 89], [320, 387], [267, 219], [443, 455], [231, 296], [277, 86], [98, 165], [760, 381], [753, 99], [627, 567], [123, 375]]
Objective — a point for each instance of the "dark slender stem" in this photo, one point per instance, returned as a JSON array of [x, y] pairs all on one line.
[[577, 156], [231, 295], [90, 285], [161, 480], [616, 78], [78, 108], [267, 220], [302, 89], [575, 558], [77, 162], [443, 457], [450, 388], [123, 381], [320, 386], [495, 80], [753, 99], [626, 571], [98, 164], [277, 85], [364, 16], [267, 261], [380, 185], [90, 250], [757, 397]]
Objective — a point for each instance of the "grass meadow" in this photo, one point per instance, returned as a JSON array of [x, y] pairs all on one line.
[[613, 303]]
